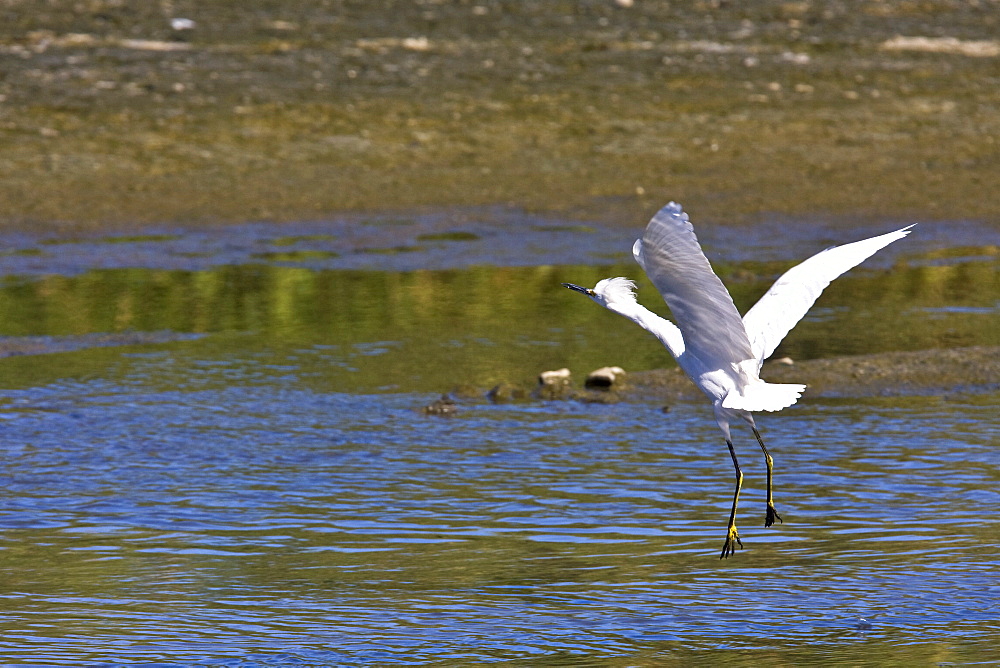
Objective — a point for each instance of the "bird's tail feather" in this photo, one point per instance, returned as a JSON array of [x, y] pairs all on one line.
[[763, 396]]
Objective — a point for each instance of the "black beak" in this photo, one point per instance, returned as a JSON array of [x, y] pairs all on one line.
[[586, 291]]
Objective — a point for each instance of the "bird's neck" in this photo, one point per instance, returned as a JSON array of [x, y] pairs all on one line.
[[667, 332]]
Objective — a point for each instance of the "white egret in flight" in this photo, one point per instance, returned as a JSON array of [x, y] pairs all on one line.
[[719, 350]]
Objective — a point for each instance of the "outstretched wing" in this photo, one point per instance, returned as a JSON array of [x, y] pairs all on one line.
[[796, 290], [670, 255]]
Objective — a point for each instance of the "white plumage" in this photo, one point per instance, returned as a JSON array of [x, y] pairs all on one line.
[[719, 350]]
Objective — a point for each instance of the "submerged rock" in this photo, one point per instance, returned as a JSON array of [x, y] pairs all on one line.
[[602, 396], [466, 391], [443, 406], [505, 392]]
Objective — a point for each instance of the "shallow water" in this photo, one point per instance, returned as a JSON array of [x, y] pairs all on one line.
[[240, 519], [257, 483]]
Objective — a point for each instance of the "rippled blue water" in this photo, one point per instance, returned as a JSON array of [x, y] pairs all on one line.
[[220, 457], [242, 516]]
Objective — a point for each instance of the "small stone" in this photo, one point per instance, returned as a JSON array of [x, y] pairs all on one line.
[[180, 23], [557, 377], [554, 384], [605, 378]]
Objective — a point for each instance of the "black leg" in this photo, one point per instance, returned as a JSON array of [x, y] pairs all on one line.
[[733, 536], [771, 514]]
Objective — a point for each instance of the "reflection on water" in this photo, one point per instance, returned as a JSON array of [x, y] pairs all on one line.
[[270, 492], [430, 330]]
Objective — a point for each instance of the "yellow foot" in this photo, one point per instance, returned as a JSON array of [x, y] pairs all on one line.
[[729, 547], [771, 515]]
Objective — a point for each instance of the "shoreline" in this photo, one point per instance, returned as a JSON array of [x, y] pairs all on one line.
[[113, 120], [938, 371], [932, 372]]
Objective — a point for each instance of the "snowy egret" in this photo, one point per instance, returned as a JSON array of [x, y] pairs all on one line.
[[721, 352]]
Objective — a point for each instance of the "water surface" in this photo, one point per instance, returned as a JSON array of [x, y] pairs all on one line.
[[230, 464], [242, 519]]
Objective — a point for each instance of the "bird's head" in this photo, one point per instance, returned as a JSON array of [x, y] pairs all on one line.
[[609, 292]]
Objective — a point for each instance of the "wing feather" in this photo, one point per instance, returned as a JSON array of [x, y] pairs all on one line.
[[670, 255], [774, 315]]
